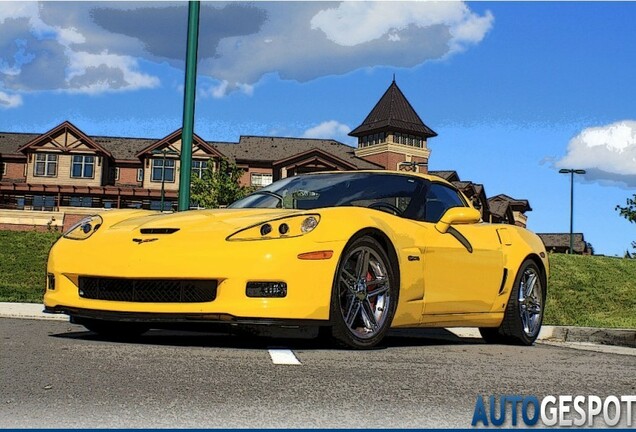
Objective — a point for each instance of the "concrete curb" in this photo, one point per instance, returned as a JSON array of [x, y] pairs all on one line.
[[603, 336], [27, 311]]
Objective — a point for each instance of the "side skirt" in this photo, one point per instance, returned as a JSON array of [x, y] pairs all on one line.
[[486, 319]]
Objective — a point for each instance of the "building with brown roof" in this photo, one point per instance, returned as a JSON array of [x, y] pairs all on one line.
[[501, 212], [450, 176], [560, 243], [65, 168], [393, 134], [519, 207]]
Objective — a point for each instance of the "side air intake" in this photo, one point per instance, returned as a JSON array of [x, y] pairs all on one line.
[[159, 230]]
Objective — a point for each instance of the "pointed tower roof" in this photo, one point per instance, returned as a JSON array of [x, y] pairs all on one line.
[[393, 111]]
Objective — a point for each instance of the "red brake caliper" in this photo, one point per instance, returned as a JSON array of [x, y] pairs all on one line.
[[369, 278]]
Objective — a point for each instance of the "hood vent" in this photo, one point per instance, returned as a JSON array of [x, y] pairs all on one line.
[[159, 230]]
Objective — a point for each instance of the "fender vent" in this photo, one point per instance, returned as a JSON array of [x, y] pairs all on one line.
[[159, 230], [503, 281]]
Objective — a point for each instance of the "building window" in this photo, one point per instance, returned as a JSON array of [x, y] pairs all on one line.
[[382, 137], [4, 168], [396, 137], [198, 167], [140, 175], [162, 170], [83, 167], [260, 179], [45, 165], [114, 173]]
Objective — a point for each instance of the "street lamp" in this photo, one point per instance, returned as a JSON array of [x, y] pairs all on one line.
[[571, 172], [163, 152]]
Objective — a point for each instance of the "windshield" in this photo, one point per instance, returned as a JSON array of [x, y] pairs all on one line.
[[389, 192]]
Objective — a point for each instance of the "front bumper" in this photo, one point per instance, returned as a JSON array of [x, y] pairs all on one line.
[[232, 266], [175, 318]]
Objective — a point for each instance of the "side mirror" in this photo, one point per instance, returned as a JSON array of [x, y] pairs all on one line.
[[457, 216]]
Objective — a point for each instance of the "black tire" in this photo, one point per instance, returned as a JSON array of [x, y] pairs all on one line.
[[524, 313], [115, 329], [364, 295]]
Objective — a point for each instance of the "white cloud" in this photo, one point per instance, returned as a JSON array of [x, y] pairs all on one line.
[[330, 129], [305, 41], [220, 89], [98, 73], [248, 89], [471, 30], [215, 91], [10, 101], [607, 153], [64, 43], [18, 9], [38, 56], [354, 23]]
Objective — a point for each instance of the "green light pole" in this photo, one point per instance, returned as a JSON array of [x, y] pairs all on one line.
[[189, 94], [571, 172]]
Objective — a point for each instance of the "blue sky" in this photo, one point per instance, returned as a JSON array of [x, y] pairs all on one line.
[[515, 90]]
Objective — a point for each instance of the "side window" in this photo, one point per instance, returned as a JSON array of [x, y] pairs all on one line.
[[439, 199]]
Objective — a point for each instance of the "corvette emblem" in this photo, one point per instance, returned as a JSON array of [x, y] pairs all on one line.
[[148, 240]]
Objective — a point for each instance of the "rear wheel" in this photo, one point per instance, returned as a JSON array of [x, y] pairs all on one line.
[[524, 313], [364, 295], [115, 329]]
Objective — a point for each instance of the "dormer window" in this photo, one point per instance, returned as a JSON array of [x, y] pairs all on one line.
[[83, 166], [199, 167], [163, 170], [45, 165]]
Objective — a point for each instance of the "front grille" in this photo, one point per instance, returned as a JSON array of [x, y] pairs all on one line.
[[147, 290]]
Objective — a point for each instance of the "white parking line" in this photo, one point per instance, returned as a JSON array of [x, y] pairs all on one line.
[[283, 357]]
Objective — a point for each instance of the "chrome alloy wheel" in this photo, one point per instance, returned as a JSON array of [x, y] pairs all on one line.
[[530, 302], [364, 290]]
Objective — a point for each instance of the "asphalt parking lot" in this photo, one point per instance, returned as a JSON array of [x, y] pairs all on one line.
[[55, 374]]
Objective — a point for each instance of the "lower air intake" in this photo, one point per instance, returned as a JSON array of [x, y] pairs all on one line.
[[147, 290]]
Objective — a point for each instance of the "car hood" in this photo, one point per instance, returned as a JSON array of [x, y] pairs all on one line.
[[196, 220]]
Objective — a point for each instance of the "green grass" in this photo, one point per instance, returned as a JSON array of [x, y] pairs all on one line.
[[22, 264], [583, 290], [591, 291]]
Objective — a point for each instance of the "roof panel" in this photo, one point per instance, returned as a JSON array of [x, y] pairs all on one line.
[[393, 111]]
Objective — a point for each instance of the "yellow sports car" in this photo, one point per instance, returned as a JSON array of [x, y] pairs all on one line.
[[352, 253]]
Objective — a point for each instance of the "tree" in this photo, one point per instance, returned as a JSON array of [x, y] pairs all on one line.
[[219, 187], [629, 212]]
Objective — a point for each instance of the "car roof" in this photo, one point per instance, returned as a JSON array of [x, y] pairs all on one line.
[[429, 177]]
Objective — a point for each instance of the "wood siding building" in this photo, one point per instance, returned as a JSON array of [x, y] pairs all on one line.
[[65, 168]]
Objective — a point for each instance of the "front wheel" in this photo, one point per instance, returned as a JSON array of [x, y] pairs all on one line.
[[364, 295], [524, 313]]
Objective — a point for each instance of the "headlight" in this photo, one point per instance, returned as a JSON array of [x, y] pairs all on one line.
[[84, 228], [286, 227], [309, 224]]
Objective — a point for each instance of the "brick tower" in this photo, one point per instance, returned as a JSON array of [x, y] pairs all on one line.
[[393, 133]]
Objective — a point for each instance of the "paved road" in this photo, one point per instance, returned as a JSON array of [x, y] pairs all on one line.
[[55, 374]]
